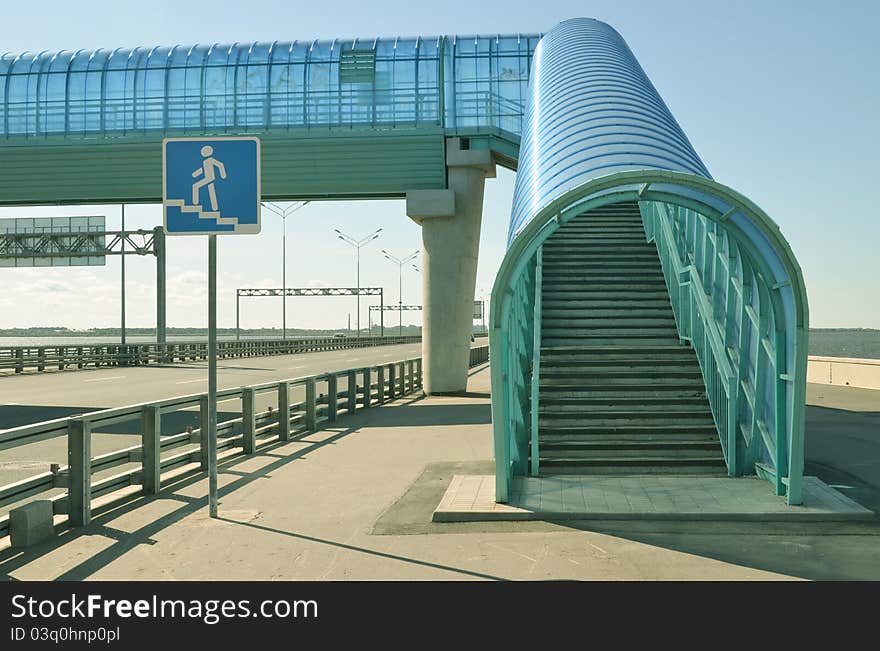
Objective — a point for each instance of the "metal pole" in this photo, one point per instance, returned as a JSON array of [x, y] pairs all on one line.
[[237, 316], [159, 249], [381, 312], [400, 301], [212, 375], [284, 279], [358, 319], [122, 251]]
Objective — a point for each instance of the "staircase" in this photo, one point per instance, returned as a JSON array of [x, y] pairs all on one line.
[[618, 392]]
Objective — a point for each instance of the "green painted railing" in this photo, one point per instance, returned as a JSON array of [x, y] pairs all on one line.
[[722, 306], [517, 351]]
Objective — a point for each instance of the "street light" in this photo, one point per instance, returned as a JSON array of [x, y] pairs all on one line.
[[283, 213], [400, 262], [357, 244]]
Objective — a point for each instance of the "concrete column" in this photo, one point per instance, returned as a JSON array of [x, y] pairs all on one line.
[[450, 221]]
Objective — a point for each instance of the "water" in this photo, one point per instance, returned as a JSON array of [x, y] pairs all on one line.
[[863, 344]]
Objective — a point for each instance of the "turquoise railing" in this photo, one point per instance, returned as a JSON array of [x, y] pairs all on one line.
[[722, 306], [517, 351]]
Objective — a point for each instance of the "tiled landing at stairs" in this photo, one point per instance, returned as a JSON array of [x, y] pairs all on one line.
[[471, 498]]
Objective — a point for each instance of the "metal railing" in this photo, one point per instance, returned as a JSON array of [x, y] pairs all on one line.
[[61, 357], [517, 350], [325, 400], [723, 305]]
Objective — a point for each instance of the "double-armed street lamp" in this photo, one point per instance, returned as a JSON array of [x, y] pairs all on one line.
[[283, 213], [357, 244], [400, 262]]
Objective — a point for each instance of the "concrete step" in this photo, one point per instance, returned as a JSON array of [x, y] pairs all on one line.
[[617, 419], [564, 312], [682, 431], [675, 369], [652, 292], [680, 450], [681, 353], [635, 390], [663, 331], [587, 324], [635, 381], [605, 284], [608, 340], [589, 245], [616, 438], [611, 373], [607, 303], [633, 404], [588, 262], [647, 466]]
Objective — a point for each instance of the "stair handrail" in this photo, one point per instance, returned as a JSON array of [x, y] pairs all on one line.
[[683, 278]]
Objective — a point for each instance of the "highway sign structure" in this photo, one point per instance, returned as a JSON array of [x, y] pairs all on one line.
[[52, 241], [211, 186]]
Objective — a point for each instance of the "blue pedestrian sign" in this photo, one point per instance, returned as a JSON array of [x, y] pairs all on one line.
[[211, 186]]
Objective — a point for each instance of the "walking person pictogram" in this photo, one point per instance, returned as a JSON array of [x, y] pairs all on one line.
[[206, 171]]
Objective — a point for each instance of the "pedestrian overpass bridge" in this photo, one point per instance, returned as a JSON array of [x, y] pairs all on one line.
[[645, 318]]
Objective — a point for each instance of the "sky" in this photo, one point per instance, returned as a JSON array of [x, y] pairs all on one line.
[[779, 98]]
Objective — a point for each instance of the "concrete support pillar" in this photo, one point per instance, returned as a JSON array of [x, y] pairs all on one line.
[[450, 221]]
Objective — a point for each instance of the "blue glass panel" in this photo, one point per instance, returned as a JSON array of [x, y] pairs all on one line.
[[267, 85]]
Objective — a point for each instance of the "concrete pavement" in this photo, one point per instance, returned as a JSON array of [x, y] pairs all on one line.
[[355, 501]]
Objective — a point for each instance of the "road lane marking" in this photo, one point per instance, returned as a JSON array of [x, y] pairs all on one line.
[[201, 379], [295, 368], [104, 379]]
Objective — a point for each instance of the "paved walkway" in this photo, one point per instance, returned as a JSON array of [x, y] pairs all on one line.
[[355, 502]]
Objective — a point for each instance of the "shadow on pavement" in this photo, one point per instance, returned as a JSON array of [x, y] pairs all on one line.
[[18, 415], [125, 541]]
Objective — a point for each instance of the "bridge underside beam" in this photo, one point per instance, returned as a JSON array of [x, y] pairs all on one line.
[[296, 164]]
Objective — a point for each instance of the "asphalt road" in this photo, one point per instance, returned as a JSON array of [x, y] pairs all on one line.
[[842, 440], [37, 397]]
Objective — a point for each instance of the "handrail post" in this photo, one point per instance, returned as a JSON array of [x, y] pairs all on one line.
[[352, 391], [368, 386], [151, 432], [536, 361], [380, 384], [332, 390], [392, 381], [410, 378], [311, 404], [203, 431], [283, 411], [249, 419], [79, 459]]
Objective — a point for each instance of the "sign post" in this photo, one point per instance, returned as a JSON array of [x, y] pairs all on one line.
[[211, 186]]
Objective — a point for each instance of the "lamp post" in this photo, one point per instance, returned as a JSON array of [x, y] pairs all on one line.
[[283, 213], [357, 244], [400, 262]]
